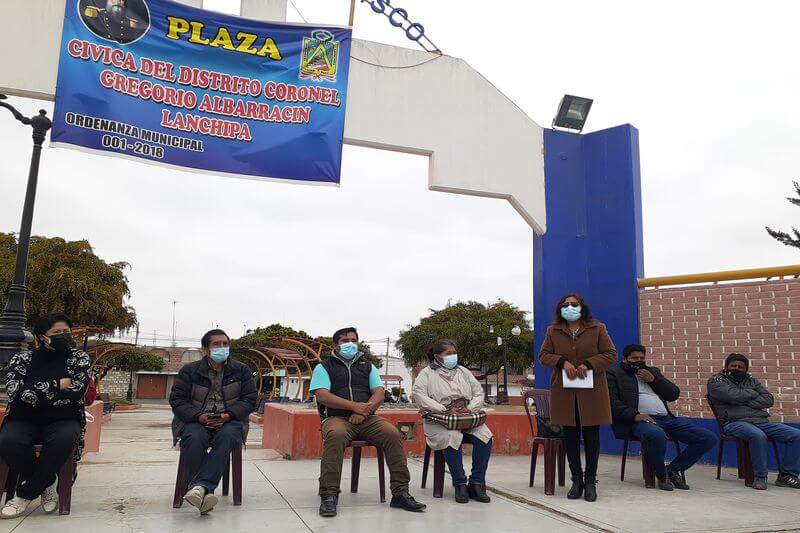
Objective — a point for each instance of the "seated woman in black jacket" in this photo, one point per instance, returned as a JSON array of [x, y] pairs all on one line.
[[639, 396], [46, 389]]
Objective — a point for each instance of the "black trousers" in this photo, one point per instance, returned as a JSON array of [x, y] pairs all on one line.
[[591, 444], [58, 439], [206, 467]]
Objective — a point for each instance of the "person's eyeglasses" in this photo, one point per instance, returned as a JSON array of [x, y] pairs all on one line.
[[570, 304]]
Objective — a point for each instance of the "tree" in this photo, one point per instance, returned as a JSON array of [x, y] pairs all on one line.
[[132, 359], [467, 324], [259, 336], [784, 237], [67, 277]]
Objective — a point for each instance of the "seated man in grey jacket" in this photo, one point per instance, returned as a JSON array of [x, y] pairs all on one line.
[[741, 402]]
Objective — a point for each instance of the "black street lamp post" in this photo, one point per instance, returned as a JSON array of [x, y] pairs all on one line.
[[515, 331], [13, 335]]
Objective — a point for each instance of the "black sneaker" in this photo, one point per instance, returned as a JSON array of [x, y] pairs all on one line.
[[407, 502], [787, 480], [665, 484], [328, 506], [760, 483], [677, 480]]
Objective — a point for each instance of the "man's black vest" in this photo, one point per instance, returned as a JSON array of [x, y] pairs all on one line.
[[350, 382]]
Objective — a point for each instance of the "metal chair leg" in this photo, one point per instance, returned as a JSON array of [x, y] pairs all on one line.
[[624, 459], [355, 470], [381, 475], [426, 461]]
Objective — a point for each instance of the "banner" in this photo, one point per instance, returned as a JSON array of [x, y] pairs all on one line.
[[161, 81]]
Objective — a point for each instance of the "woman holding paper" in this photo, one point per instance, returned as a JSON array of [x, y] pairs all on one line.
[[580, 350]]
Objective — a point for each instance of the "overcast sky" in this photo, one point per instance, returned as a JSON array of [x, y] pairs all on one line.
[[712, 87]]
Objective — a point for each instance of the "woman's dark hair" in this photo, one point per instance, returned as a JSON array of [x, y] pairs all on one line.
[[440, 346], [342, 332], [206, 340], [45, 322], [586, 313], [737, 357]]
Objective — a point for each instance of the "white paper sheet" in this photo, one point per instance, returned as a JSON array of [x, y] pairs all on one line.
[[578, 383]]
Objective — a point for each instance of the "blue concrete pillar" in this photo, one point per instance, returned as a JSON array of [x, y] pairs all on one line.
[[593, 244]]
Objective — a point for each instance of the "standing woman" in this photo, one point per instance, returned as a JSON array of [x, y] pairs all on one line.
[[446, 387], [578, 344], [46, 389]]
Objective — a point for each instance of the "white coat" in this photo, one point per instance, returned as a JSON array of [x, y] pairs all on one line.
[[434, 389]]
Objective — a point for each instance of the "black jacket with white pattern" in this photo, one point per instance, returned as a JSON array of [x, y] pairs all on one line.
[[48, 393]]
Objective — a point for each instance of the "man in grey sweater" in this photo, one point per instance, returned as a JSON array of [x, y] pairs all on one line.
[[741, 402]]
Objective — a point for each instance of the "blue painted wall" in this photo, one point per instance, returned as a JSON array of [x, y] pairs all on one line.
[[593, 243]]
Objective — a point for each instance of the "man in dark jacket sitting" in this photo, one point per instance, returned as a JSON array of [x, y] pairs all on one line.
[[741, 403], [212, 400], [639, 396]]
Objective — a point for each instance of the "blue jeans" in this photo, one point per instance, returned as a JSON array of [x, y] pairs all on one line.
[[481, 452], [654, 442], [206, 467], [757, 436]]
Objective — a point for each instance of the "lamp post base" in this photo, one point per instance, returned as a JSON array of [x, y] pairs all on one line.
[[14, 338]]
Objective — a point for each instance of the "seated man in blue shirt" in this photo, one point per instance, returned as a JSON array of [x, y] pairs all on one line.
[[639, 396], [349, 390]]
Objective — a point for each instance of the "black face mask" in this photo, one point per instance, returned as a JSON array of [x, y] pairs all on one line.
[[737, 375], [61, 342], [635, 367]]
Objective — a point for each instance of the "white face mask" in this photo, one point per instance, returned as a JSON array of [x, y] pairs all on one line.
[[450, 361]]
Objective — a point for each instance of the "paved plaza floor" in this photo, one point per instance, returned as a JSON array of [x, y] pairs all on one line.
[[128, 486]]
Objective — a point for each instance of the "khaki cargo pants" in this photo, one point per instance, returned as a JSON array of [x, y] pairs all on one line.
[[339, 432]]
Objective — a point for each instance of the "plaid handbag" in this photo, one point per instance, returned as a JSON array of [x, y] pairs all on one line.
[[457, 421]]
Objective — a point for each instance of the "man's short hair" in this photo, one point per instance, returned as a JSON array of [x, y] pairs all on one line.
[[206, 340], [737, 357], [342, 332], [45, 322], [629, 349]]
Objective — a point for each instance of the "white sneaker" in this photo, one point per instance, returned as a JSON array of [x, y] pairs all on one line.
[[14, 507], [50, 498], [197, 497]]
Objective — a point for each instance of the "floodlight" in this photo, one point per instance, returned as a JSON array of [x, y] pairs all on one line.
[[572, 112]]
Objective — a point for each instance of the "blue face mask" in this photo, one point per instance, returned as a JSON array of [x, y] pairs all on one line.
[[348, 350], [220, 355], [571, 314], [450, 361]]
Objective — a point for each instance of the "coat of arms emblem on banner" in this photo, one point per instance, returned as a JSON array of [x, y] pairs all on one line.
[[320, 57]]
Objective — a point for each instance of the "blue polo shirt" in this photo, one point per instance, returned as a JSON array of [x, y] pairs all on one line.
[[321, 380]]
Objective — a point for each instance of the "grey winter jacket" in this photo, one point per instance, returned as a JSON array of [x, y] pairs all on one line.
[[747, 401]]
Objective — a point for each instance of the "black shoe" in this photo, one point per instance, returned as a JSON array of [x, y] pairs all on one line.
[[665, 484], [760, 483], [787, 480], [462, 494], [407, 502], [478, 493], [590, 488], [677, 480], [576, 491], [328, 506]]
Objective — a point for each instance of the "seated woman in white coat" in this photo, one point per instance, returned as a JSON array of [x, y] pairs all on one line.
[[446, 387]]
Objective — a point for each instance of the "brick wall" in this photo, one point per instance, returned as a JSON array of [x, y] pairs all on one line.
[[115, 383], [690, 331]]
